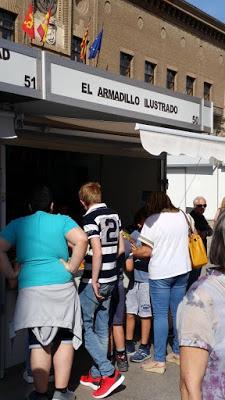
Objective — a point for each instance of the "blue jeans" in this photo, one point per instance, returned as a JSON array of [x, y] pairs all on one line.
[[166, 294], [96, 326]]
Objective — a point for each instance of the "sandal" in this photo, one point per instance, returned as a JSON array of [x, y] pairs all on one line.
[[173, 358], [154, 366]]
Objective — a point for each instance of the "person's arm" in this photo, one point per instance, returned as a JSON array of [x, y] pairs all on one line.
[[70, 245], [205, 233], [195, 325], [146, 238], [13, 282], [5, 265], [121, 246], [143, 251], [216, 217], [193, 365], [129, 264], [96, 264], [78, 238], [209, 231], [204, 229]]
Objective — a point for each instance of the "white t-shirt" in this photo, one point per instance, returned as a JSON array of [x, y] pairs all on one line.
[[167, 234]]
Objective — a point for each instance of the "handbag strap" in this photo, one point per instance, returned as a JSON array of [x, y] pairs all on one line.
[[188, 222]]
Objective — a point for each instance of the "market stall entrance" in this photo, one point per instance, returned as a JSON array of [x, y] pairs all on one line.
[[52, 104]]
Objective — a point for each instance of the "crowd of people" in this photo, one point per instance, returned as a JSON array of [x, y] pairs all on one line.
[[154, 253]]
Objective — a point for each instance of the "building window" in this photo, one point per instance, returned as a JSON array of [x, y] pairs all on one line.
[[207, 91], [125, 64], [75, 48], [170, 80], [7, 25], [150, 72], [190, 85]]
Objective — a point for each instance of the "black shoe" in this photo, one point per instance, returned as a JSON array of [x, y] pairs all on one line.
[[121, 361], [63, 396], [37, 396]]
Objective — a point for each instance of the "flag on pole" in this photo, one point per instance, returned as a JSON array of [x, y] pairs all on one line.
[[96, 46], [43, 27], [28, 23], [83, 46]]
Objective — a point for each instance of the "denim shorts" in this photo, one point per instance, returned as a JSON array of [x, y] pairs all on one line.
[[63, 336], [138, 300]]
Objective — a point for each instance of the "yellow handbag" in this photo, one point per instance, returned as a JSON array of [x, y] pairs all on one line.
[[197, 251], [196, 247]]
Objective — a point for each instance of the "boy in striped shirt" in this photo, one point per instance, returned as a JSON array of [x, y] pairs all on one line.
[[102, 225]]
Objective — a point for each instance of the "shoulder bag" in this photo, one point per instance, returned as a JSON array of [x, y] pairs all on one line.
[[196, 247]]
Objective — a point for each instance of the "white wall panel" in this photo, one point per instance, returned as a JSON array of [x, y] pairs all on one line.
[[176, 187], [221, 184], [187, 183]]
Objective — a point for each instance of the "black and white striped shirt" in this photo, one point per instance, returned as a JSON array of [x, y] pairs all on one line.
[[101, 221]]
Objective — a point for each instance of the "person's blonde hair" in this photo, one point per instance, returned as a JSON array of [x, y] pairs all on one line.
[[90, 193]]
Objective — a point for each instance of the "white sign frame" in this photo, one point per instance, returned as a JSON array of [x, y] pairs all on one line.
[[79, 85], [30, 72], [20, 69]]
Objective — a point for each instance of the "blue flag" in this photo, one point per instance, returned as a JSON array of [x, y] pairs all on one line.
[[96, 46]]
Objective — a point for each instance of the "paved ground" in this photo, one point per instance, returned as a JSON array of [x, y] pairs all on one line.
[[138, 385]]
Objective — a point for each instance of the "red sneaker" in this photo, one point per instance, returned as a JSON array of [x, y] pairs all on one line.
[[108, 385], [89, 380]]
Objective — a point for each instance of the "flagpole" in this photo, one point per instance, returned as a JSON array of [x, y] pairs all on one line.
[[99, 51], [33, 5], [89, 22], [97, 60], [87, 30]]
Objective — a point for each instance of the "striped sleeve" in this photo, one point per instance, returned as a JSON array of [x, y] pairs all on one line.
[[90, 227]]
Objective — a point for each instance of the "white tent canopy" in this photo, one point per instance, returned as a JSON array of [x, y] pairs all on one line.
[[156, 139]]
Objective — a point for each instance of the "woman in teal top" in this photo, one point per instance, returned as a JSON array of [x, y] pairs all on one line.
[[41, 241]]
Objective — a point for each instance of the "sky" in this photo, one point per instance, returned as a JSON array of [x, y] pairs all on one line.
[[215, 8]]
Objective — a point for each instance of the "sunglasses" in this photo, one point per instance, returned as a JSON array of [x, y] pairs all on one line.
[[201, 205]]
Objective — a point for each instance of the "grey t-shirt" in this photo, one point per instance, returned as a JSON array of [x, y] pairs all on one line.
[[140, 266]]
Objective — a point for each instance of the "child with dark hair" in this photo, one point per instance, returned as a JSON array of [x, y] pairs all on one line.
[[138, 298]]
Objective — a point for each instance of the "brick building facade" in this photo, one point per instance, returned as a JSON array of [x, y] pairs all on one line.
[[166, 43]]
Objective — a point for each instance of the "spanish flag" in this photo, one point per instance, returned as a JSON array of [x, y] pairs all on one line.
[[43, 27], [83, 46], [28, 23]]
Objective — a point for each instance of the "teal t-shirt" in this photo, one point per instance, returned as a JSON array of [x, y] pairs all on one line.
[[40, 241]]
